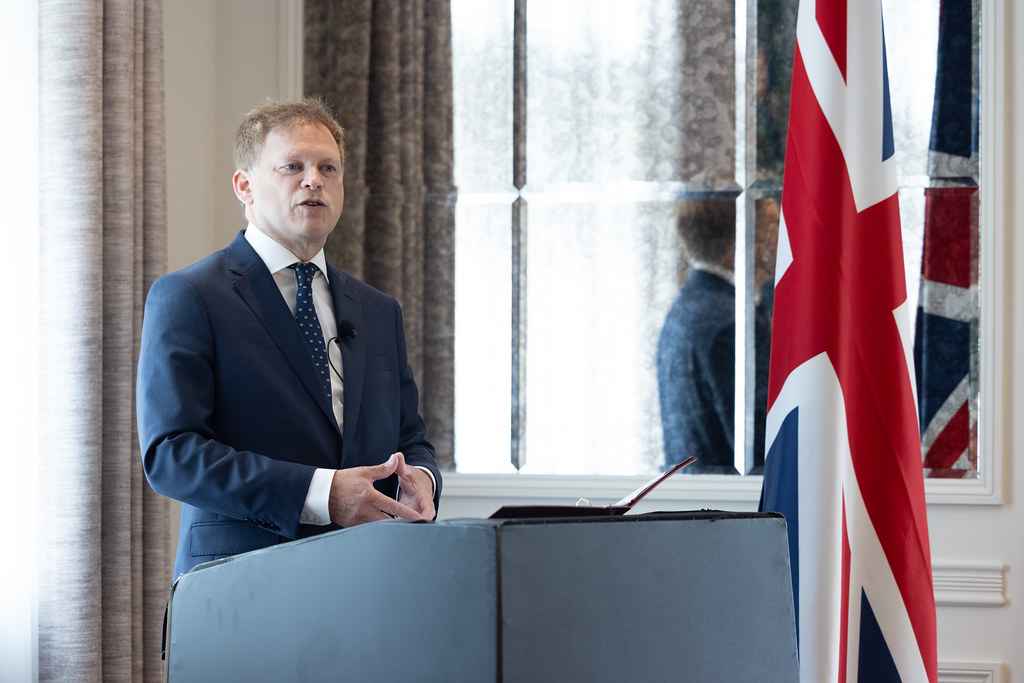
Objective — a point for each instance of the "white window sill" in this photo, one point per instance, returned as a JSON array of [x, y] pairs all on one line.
[[478, 495]]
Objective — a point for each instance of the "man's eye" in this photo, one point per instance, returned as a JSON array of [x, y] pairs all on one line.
[[290, 167], [330, 168]]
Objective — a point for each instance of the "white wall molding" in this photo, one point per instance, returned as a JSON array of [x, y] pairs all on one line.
[[963, 584], [970, 672], [985, 490]]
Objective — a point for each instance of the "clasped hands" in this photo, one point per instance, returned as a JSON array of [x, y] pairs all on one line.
[[353, 499]]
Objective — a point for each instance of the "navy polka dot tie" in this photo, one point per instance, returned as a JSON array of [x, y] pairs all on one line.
[[309, 324]]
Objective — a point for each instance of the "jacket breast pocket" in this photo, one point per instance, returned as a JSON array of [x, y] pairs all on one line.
[[380, 363]]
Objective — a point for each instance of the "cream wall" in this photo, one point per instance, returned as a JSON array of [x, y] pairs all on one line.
[[224, 57]]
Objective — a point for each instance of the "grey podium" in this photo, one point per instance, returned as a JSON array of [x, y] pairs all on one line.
[[702, 596]]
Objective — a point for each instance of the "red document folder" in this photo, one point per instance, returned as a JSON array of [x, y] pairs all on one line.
[[619, 508]]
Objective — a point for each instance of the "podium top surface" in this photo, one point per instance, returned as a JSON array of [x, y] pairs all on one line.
[[548, 514]]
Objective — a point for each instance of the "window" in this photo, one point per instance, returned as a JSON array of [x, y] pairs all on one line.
[[581, 128]]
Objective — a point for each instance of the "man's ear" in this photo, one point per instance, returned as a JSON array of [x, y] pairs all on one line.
[[243, 187]]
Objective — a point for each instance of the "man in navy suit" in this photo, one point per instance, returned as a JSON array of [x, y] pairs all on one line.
[[697, 346], [237, 419]]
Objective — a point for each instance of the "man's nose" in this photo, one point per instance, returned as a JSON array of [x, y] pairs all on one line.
[[312, 179]]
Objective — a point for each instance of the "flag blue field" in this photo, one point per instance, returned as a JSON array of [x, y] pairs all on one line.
[[843, 445]]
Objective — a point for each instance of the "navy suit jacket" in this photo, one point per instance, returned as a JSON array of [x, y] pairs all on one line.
[[231, 422], [696, 375]]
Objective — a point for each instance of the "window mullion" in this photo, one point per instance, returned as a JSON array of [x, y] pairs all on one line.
[[519, 329]]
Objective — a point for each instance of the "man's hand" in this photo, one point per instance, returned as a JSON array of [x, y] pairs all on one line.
[[415, 488], [353, 500]]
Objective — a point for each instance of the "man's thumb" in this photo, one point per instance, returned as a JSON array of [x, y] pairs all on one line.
[[389, 466]]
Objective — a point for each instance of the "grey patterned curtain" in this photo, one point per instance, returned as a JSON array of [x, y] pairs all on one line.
[[104, 565], [385, 67]]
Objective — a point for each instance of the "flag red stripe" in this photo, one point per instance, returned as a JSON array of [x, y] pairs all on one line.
[[951, 442], [948, 217]]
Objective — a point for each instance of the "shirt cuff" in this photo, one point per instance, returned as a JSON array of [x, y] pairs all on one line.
[[316, 509], [433, 482]]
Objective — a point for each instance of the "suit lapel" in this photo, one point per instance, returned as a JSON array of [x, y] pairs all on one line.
[[348, 306], [257, 288]]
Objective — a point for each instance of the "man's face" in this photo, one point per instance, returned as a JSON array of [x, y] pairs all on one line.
[[295, 193]]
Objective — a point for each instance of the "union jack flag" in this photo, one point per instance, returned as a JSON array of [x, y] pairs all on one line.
[[843, 447], [945, 343]]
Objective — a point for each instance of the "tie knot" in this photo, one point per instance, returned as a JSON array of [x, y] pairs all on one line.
[[304, 273]]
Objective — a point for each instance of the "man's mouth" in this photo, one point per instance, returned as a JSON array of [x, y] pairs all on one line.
[[312, 202]]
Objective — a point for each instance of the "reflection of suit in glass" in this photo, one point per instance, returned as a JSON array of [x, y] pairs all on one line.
[[696, 379]]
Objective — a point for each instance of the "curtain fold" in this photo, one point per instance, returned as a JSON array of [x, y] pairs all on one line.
[[104, 556], [386, 69]]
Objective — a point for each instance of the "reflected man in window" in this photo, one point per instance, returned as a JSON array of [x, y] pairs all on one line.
[[697, 347]]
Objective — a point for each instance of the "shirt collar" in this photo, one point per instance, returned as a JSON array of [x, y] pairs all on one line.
[[722, 272], [275, 255]]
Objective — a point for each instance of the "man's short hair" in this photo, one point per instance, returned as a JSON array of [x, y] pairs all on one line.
[[707, 228], [273, 115]]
